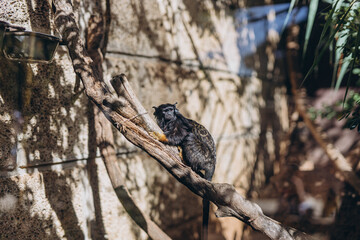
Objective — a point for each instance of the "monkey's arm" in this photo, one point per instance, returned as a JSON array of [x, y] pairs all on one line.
[[162, 138], [171, 138]]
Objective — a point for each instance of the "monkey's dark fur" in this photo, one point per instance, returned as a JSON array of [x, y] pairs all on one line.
[[198, 147]]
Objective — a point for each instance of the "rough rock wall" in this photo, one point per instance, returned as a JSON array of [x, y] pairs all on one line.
[[201, 54]]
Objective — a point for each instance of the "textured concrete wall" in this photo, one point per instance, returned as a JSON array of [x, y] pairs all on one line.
[[172, 51]]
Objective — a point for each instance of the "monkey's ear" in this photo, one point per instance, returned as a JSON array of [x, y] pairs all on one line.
[[154, 107], [176, 109]]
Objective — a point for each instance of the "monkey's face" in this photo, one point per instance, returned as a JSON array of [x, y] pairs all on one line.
[[165, 112], [169, 113]]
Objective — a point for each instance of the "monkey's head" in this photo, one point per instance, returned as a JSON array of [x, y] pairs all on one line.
[[165, 112]]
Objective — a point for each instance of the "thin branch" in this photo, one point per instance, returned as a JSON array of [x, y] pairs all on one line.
[[224, 196], [331, 151]]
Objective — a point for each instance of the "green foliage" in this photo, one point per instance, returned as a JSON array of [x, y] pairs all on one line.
[[340, 36], [335, 33], [350, 28], [348, 109], [351, 111]]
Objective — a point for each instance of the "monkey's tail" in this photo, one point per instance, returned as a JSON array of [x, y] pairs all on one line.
[[205, 223]]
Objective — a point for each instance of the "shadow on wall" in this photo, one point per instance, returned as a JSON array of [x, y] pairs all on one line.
[[10, 117], [44, 124], [259, 44], [59, 194], [255, 27], [16, 220]]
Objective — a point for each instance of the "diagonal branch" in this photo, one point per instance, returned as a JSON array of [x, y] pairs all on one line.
[[119, 112]]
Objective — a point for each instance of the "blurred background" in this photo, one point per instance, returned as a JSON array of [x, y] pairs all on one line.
[[269, 79]]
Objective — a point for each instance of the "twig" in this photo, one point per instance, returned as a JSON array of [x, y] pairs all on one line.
[[224, 196]]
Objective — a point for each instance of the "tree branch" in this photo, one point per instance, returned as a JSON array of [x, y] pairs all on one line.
[[120, 113]]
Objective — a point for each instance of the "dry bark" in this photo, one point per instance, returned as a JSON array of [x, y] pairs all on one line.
[[122, 113]]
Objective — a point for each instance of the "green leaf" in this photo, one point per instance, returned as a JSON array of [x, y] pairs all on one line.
[[355, 52], [356, 71], [344, 68], [327, 43], [292, 4], [310, 22], [338, 52], [329, 19]]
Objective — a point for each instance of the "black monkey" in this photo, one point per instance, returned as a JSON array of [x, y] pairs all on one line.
[[196, 143]]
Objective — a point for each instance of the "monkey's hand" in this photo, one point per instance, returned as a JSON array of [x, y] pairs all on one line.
[[159, 136]]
